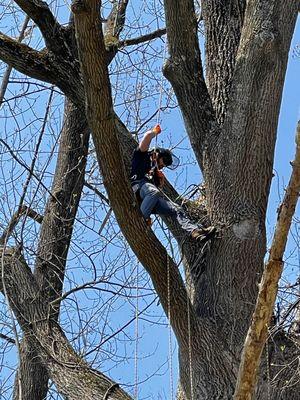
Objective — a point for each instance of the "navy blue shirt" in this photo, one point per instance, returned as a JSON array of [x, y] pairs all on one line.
[[141, 164]]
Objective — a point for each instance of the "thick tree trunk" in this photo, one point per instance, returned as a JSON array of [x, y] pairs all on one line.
[[233, 135], [54, 241], [224, 278]]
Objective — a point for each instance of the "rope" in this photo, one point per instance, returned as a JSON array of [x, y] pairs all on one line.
[[158, 119], [136, 379], [161, 86], [170, 331], [190, 343]]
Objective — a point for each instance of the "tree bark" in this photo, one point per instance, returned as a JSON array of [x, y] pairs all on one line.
[[258, 331], [72, 376], [233, 142], [54, 240]]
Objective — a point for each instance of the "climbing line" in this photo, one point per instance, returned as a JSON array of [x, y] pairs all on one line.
[[136, 372], [188, 305], [161, 86], [170, 330]]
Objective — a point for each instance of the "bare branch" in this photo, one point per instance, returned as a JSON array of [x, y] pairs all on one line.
[[60, 359], [25, 166], [116, 19], [142, 39], [26, 60], [258, 330], [41, 14], [15, 219], [7, 338], [98, 193], [9, 68]]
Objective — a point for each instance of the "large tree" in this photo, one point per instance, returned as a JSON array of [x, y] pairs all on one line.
[[231, 117]]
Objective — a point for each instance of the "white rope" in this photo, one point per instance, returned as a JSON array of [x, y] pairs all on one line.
[[158, 119], [136, 372], [170, 331], [161, 86], [190, 344]]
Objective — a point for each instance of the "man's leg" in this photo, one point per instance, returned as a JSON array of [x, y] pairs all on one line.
[[168, 208], [150, 196]]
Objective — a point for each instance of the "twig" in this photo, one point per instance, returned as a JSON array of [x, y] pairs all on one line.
[[110, 391], [7, 338], [15, 219], [95, 190], [9, 68]]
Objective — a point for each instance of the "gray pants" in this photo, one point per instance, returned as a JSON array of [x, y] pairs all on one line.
[[153, 202]]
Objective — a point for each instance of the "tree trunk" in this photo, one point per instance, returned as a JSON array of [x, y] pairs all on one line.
[[54, 241], [232, 132]]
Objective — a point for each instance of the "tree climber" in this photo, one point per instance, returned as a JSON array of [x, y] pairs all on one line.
[[147, 178]]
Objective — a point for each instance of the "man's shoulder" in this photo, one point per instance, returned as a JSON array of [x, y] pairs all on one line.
[[141, 154]]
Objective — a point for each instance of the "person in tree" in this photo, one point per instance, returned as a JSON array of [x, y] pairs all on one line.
[[146, 180]]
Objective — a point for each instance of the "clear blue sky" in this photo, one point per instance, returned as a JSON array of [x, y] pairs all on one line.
[[154, 342]]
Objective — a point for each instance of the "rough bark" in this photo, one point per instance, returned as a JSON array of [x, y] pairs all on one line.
[[223, 22], [73, 377], [237, 194], [258, 330], [222, 277], [225, 287]]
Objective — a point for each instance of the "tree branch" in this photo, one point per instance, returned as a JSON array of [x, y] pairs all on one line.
[[42, 16], [258, 330], [7, 73], [62, 71], [7, 338], [106, 139], [15, 219], [26, 60], [184, 70], [116, 19], [45, 335], [142, 39], [223, 27]]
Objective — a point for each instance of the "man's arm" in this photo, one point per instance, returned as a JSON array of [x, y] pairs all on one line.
[[149, 135]]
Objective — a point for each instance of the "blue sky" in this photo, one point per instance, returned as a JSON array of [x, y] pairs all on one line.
[[154, 338]]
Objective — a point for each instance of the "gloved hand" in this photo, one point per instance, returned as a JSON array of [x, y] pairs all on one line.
[[156, 130]]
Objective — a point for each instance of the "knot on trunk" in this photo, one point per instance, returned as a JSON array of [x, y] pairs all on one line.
[[246, 229]]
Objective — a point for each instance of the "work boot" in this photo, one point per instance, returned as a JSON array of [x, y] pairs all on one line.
[[203, 234]]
